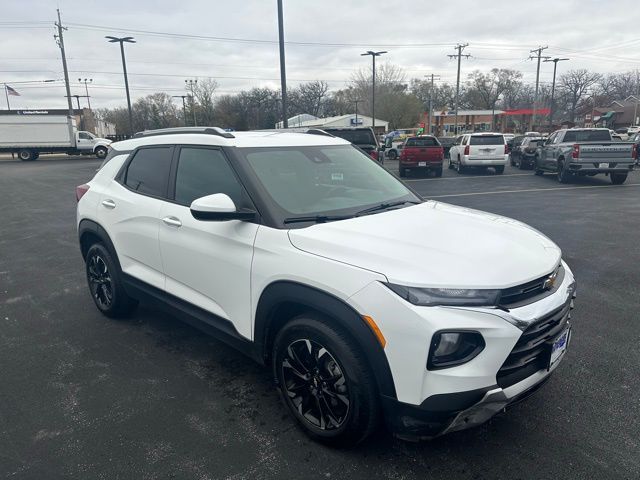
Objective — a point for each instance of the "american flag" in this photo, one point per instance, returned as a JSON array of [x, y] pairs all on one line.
[[11, 91]]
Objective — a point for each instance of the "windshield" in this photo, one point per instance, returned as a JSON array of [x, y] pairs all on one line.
[[487, 140], [323, 180], [357, 137]]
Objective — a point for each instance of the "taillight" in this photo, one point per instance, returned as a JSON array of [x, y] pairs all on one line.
[[373, 154], [634, 151], [466, 150], [81, 190], [506, 149], [576, 151]]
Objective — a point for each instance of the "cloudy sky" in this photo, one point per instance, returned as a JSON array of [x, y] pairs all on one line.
[[235, 42]]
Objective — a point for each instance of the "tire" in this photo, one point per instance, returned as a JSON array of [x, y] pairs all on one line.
[[539, 172], [403, 172], [499, 169], [522, 165], [459, 167], [512, 161], [27, 155], [618, 178], [392, 155], [105, 283], [562, 174], [438, 172], [101, 152], [340, 412]]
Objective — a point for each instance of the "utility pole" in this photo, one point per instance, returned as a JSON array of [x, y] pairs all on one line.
[[184, 107], [60, 40], [553, 87], [191, 84], [283, 72], [431, 100], [78, 97], [460, 47], [538, 55], [636, 121], [373, 86], [86, 89]]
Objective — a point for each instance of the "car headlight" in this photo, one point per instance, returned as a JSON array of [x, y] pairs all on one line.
[[446, 296]]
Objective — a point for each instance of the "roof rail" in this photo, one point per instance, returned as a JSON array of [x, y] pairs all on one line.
[[182, 130], [309, 130]]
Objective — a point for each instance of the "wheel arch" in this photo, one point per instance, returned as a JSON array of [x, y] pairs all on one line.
[[90, 232], [283, 300]]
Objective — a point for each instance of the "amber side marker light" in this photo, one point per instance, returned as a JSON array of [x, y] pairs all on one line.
[[376, 331]]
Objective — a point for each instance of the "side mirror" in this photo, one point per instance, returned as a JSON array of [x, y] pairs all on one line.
[[218, 207]]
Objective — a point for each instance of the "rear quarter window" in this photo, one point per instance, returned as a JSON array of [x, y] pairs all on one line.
[[487, 140], [148, 171]]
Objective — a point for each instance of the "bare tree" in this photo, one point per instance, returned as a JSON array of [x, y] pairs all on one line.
[[574, 86], [204, 92], [309, 97], [485, 89]]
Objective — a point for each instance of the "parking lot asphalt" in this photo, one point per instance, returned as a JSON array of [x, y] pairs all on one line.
[[150, 397]]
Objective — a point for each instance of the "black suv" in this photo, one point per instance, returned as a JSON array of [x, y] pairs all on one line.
[[361, 137]]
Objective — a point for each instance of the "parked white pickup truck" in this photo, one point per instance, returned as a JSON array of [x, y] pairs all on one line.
[[30, 135], [585, 151]]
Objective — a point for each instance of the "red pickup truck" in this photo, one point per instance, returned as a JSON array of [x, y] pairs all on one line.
[[421, 153]]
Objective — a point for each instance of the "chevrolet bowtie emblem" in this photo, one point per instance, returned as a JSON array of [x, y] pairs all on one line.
[[550, 281]]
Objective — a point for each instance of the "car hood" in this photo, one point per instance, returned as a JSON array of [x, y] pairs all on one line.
[[435, 245]]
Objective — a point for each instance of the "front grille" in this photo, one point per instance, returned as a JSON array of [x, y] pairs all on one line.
[[531, 352], [530, 291]]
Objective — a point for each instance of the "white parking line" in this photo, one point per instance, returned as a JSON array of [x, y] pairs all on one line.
[[533, 190], [465, 178]]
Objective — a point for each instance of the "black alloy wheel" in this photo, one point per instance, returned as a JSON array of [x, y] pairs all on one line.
[[100, 281], [105, 284], [315, 385]]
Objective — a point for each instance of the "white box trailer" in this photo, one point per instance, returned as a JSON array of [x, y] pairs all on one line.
[[30, 135]]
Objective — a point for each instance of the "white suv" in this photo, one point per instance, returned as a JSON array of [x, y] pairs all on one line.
[[479, 150], [304, 253]]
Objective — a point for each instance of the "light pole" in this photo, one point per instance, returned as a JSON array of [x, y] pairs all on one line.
[[283, 72], [373, 85], [184, 107], [553, 87], [86, 89], [122, 41], [356, 101], [191, 85]]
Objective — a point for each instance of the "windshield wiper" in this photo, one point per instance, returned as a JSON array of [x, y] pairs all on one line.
[[384, 206], [316, 218]]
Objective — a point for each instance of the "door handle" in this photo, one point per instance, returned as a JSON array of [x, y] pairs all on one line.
[[109, 203], [173, 221]]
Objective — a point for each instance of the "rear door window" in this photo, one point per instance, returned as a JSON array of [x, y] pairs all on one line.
[[487, 140], [148, 171]]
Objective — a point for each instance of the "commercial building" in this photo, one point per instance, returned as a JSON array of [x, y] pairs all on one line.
[[340, 121]]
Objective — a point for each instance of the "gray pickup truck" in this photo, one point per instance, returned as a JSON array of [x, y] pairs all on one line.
[[585, 151]]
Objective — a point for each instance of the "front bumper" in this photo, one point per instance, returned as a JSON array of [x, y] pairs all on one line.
[[432, 403]]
